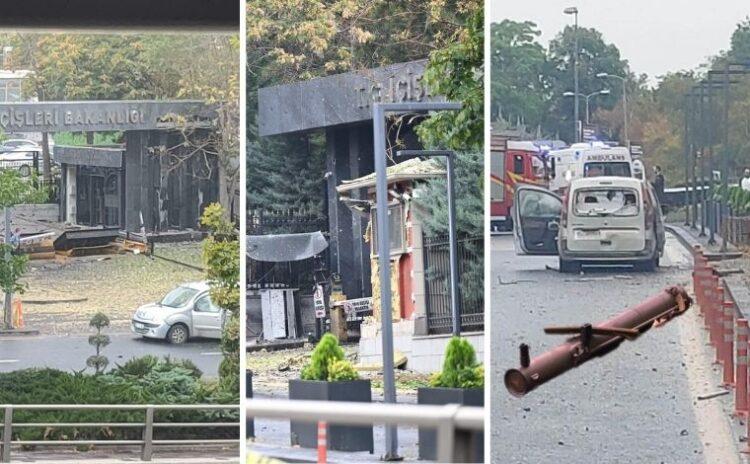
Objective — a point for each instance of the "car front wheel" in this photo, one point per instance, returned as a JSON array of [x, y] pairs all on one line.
[[178, 334]]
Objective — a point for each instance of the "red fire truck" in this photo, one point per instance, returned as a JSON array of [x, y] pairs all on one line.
[[511, 162]]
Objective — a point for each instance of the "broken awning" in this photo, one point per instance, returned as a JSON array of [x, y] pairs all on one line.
[[285, 247]]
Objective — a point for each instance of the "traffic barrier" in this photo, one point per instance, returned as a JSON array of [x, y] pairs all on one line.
[[699, 263], [717, 316], [727, 307], [17, 313], [322, 443], [740, 393]]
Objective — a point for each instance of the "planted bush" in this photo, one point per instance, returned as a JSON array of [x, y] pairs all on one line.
[[147, 380], [328, 362], [460, 368]]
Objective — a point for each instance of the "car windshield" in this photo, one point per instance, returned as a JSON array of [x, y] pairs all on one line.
[[606, 202], [606, 169], [178, 297]]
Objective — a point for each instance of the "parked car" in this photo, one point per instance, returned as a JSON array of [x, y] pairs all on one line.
[[600, 220], [187, 311], [19, 154]]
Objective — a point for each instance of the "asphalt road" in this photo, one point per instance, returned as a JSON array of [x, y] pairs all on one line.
[[632, 406], [70, 353]]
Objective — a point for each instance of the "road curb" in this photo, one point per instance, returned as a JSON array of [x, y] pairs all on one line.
[[18, 333]]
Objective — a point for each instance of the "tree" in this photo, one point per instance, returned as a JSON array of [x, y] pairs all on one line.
[[302, 39], [594, 56], [456, 72], [98, 362], [13, 191], [221, 256], [519, 87], [740, 42]]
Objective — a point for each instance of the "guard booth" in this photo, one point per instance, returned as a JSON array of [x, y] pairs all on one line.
[[149, 180]]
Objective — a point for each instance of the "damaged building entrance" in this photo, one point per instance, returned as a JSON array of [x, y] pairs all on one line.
[[148, 180], [341, 106]]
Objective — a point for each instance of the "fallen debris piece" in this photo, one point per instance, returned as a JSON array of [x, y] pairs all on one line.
[[715, 394]]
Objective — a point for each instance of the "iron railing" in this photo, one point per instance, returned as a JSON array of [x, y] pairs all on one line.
[[147, 442], [448, 420], [437, 288]]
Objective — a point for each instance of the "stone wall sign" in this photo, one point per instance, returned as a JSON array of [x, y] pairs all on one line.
[[96, 116], [339, 99]]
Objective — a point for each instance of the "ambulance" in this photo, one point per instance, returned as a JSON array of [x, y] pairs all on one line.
[[592, 159]]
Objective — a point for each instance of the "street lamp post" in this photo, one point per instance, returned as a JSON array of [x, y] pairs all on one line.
[[624, 103], [587, 97], [379, 112], [574, 11], [452, 241]]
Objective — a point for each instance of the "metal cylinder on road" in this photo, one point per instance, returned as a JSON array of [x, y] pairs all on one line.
[[595, 340]]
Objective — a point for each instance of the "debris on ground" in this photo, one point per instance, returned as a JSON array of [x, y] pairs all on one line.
[[716, 394], [272, 370], [62, 295]]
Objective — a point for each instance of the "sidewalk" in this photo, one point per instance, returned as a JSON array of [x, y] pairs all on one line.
[[734, 269], [119, 455]]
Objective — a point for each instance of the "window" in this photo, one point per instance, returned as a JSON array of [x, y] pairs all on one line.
[[179, 297], [606, 169], [397, 229], [204, 305], [535, 203], [497, 167], [518, 164], [606, 202]]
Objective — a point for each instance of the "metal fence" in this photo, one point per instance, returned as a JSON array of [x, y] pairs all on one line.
[[437, 288], [297, 274], [448, 420], [261, 222], [737, 230], [147, 426]]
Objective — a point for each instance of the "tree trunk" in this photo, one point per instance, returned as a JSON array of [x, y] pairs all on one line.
[[89, 138], [46, 160]]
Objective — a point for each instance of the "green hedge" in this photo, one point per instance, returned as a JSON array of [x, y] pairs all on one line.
[[147, 380]]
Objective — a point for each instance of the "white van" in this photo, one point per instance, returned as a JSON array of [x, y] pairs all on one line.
[[587, 160], [600, 220]]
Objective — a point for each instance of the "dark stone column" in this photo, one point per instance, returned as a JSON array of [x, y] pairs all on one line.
[[349, 155], [362, 163]]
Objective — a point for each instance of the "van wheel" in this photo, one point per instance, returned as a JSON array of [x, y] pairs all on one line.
[[569, 266], [178, 334]]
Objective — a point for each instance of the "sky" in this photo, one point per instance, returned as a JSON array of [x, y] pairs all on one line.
[[655, 36]]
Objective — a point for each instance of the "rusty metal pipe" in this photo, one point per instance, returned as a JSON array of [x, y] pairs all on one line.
[[591, 342]]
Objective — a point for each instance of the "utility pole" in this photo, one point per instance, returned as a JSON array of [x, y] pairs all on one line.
[[574, 11]]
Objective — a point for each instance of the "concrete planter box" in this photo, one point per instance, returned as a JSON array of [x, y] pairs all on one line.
[[443, 396], [340, 438]]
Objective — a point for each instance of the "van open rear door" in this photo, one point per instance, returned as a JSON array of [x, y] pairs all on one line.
[[536, 214]]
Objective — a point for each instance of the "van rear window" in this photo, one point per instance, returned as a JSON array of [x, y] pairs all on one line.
[[606, 169], [606, 202]]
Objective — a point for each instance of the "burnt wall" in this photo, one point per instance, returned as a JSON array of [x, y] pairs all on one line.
[[170, 189]]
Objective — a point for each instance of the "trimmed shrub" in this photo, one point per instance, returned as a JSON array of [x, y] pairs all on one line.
[[328, 362], [460, 368]]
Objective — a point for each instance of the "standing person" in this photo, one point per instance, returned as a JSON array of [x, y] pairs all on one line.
[[658, 184], [745, 182]]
